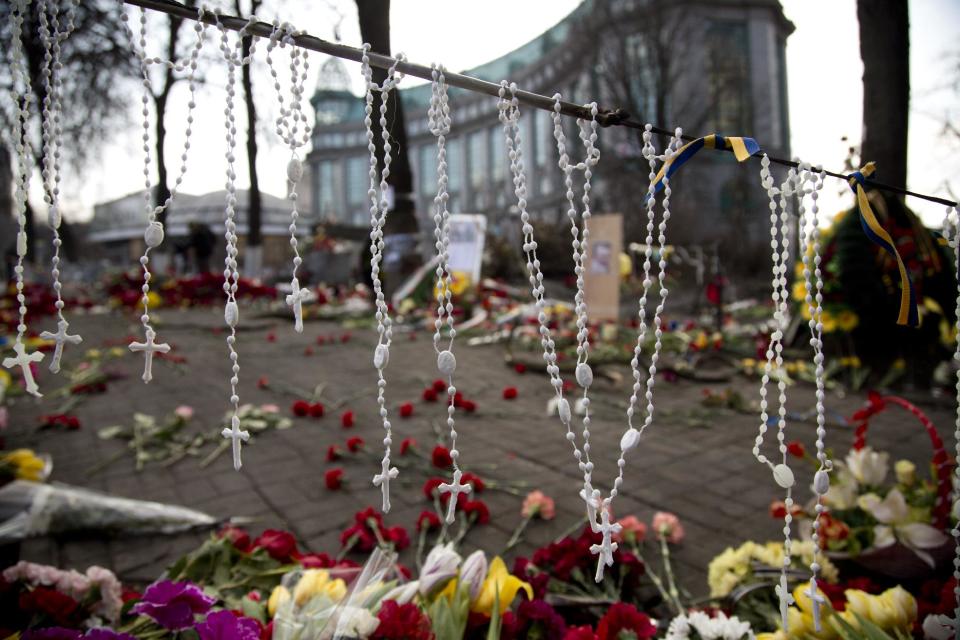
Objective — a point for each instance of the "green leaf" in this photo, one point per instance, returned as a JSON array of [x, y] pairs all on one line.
[[493, 633]]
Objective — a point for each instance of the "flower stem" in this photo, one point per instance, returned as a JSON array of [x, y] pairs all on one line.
[[668, 569], [421, 543], [465, 523], [571, 530], [351, 543], [515, 538], [657, 582]]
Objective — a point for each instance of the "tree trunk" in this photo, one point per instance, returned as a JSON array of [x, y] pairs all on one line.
[[160, 102], [254, 206], [885, 51]]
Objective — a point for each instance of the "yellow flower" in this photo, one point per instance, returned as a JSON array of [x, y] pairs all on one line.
[[827, 632], [829, 321], [899, 607], [154, 299], [5, 379], [28, 465], [499, 583], [799, 291], [317, 582], [847, 320], [906, 472], [700, 341], [278, 597], [116, 352], [93, 354]]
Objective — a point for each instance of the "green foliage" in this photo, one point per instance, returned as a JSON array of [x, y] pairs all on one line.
[[449, 617]]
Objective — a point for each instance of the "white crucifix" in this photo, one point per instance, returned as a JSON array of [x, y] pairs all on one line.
[[149, 348], [605, 549], [235, 433], [23, 360], [816, 601], [60, 337], [591, 497], [786, 599], [382, 480], [454, 488], [295, 300]]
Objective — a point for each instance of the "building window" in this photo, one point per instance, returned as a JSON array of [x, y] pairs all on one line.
[[498, 155], [428, 170], [477, 151], [542, 133], [728, 76], [326, 190], [358, 180], [455, 164]]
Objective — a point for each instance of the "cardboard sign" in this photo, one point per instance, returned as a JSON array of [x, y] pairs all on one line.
[[602, 277], [467, 236]]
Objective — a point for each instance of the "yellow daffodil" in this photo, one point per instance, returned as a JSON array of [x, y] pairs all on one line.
[[278, 597], [500, 583], [316, 582], [154, 299], [805, 618], [893, 609]]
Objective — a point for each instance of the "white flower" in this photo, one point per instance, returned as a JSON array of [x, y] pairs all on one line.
[[719, 627], [438, 569], [893, 514], [938, 627], [352, 622], [403, 593], [474, 572], [869, 467]]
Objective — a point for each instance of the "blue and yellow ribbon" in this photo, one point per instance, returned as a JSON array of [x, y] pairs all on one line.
[[878, 235], [742, 148]]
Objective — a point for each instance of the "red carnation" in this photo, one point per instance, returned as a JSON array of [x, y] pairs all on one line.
[[333, 453], [406, 410], [314, 560], [584, 632], [263, 382], [237, 536], [355, 443], [431, 486], [439, 385], [358, 536], [796, 449], [402, 622], [520, 367], [280, 545], [398, 536], [441, 457], [333, 478], [301, 408], [346, 419], [469, 406], [316, 410], [456, 400], [406, 445], [429, 395], [50, 603], [625, 617], [474, 480], [509, 393], [477, 510], [428, 521]]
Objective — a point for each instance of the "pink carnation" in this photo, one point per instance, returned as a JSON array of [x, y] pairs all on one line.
[[632, 529], [667, 525], [184, 412], [536, 504]]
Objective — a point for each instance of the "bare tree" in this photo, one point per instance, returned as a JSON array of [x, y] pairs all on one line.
[[254, 201]]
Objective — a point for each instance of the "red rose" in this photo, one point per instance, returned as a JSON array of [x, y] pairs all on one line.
[[441, 457], [398, 536], [474, 480], [263, 382], [439, 385], [280, 545], [520, 367], [428, 521], [469, 406], [796, 449], [333, 478], [50, 603], [406, 410], [509, 393], [237, 536], [355, 443], [333, 453], [406, 445], [477, 510], [301, 408], [429, 395], [346, 419], [431, 486], [625, 617], [314, 560], [402, 622], [316, 410]]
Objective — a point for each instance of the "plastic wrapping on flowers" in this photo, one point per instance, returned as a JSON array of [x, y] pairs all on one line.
[[316, 604]]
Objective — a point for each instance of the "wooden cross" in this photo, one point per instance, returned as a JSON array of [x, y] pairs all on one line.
[[295, 300], [382, 480], [149, 348], [235, 433], [786, 599], [23, 360], [816, 601], [60, 337], [454, 488], [606, 547]]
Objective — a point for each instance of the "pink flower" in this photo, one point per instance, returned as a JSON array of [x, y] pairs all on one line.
[[536, 504], [269, 408], [632, 530], [184, 412], [667, 525]]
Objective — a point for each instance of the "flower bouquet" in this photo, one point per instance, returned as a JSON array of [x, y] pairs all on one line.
[[897, 529]]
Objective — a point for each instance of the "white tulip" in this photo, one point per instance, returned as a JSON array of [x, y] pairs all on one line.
[[869, 467], [438, 569]]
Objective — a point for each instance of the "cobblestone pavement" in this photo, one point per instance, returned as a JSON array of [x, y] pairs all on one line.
[[704, 473]]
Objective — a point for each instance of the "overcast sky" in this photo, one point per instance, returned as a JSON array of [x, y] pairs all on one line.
[[824, 73]]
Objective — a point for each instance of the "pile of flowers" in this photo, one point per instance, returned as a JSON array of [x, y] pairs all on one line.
[[186, 291], [733, 568], [35, 595]]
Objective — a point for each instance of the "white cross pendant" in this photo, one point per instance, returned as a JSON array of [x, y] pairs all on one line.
[[454, 488], [786, 599], [23, 360], [235, 433], [149, 348], [295, 300], [591, 497], [60, 337], [382, 480], [605, 549], [816, 601]]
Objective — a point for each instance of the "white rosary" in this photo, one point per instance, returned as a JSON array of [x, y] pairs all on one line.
[[22, 97], [288, 128], [948, 222], [51, 36], [782, 474], [153, 235], [438, 116], [231, 273], [813, 285], [378, 216]]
